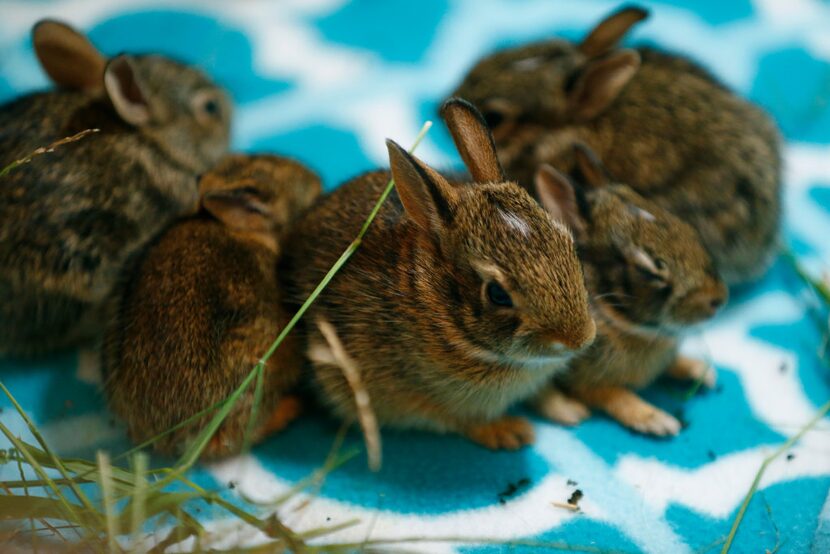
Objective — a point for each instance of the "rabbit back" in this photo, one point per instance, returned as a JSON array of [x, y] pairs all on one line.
[[707, 155], [193, 317]]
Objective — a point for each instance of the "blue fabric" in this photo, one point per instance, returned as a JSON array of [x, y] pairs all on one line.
[[327, 81]]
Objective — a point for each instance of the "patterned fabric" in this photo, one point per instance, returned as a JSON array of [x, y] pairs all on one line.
[[326, 81]]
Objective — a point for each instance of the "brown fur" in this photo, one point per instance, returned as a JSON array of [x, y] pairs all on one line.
[[649, 279], [198, 309], [670, 130], [70, 218], [411, 305]]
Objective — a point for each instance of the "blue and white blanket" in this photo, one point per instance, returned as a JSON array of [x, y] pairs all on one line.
[[326, 81]]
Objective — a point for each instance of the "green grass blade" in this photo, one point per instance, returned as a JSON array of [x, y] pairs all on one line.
[[138, 514], [345, 256], [193, 452], [160, 502], [820, 287], [195, 417], [198, 445], [89, 521], [105, 483], [215, 498], [57, 464], [767, 461], [148, 500], [22, 474], [255, 403], [14, 507], [333, 461]]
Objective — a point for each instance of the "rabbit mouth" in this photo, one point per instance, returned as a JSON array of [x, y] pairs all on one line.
[[681, 327], [545, 358], [544, 361], [526, 359]]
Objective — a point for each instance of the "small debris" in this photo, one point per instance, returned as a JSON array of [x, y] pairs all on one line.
[[512, 489], [328, 519], [565, 506], [712, 456], [232, 485], [719, 388], [783, 367], [790, 456], [572, 483], [573, 501]]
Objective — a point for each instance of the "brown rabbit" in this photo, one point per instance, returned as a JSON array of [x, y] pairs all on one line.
[[649, 279], [198, 309], [461, 300], [661, 124], [69, 220]]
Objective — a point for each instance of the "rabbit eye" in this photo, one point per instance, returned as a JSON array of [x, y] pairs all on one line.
[[655, 280], [653, 269], [498, 296], [211, 107]]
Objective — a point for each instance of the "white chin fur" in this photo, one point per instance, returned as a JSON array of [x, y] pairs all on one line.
[[529, 362]]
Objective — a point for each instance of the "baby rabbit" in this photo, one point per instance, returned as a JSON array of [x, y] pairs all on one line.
[[649, 279], [660, 122], [70, 219], [198, 309], [461, 300]]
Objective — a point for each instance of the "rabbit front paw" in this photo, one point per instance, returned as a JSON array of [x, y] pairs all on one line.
[[690, 369], [630, 410], [556, 406], [649, 420], [507, 433]]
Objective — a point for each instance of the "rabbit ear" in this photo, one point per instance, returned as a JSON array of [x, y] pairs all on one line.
[[601, 81], [591, 169], [608, 33], [241, 209], [124, 89], [426, 196], [559, 197], [67, 56], [473, 139]]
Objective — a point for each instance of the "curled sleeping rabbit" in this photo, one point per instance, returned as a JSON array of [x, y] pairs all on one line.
[[461, 300], [69, 219], [649, 279], [660, 123], [197, 310]]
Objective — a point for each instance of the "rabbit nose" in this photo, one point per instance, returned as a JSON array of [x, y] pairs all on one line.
[[572, 341], [718, 298], [585, 337], [591, 334]]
